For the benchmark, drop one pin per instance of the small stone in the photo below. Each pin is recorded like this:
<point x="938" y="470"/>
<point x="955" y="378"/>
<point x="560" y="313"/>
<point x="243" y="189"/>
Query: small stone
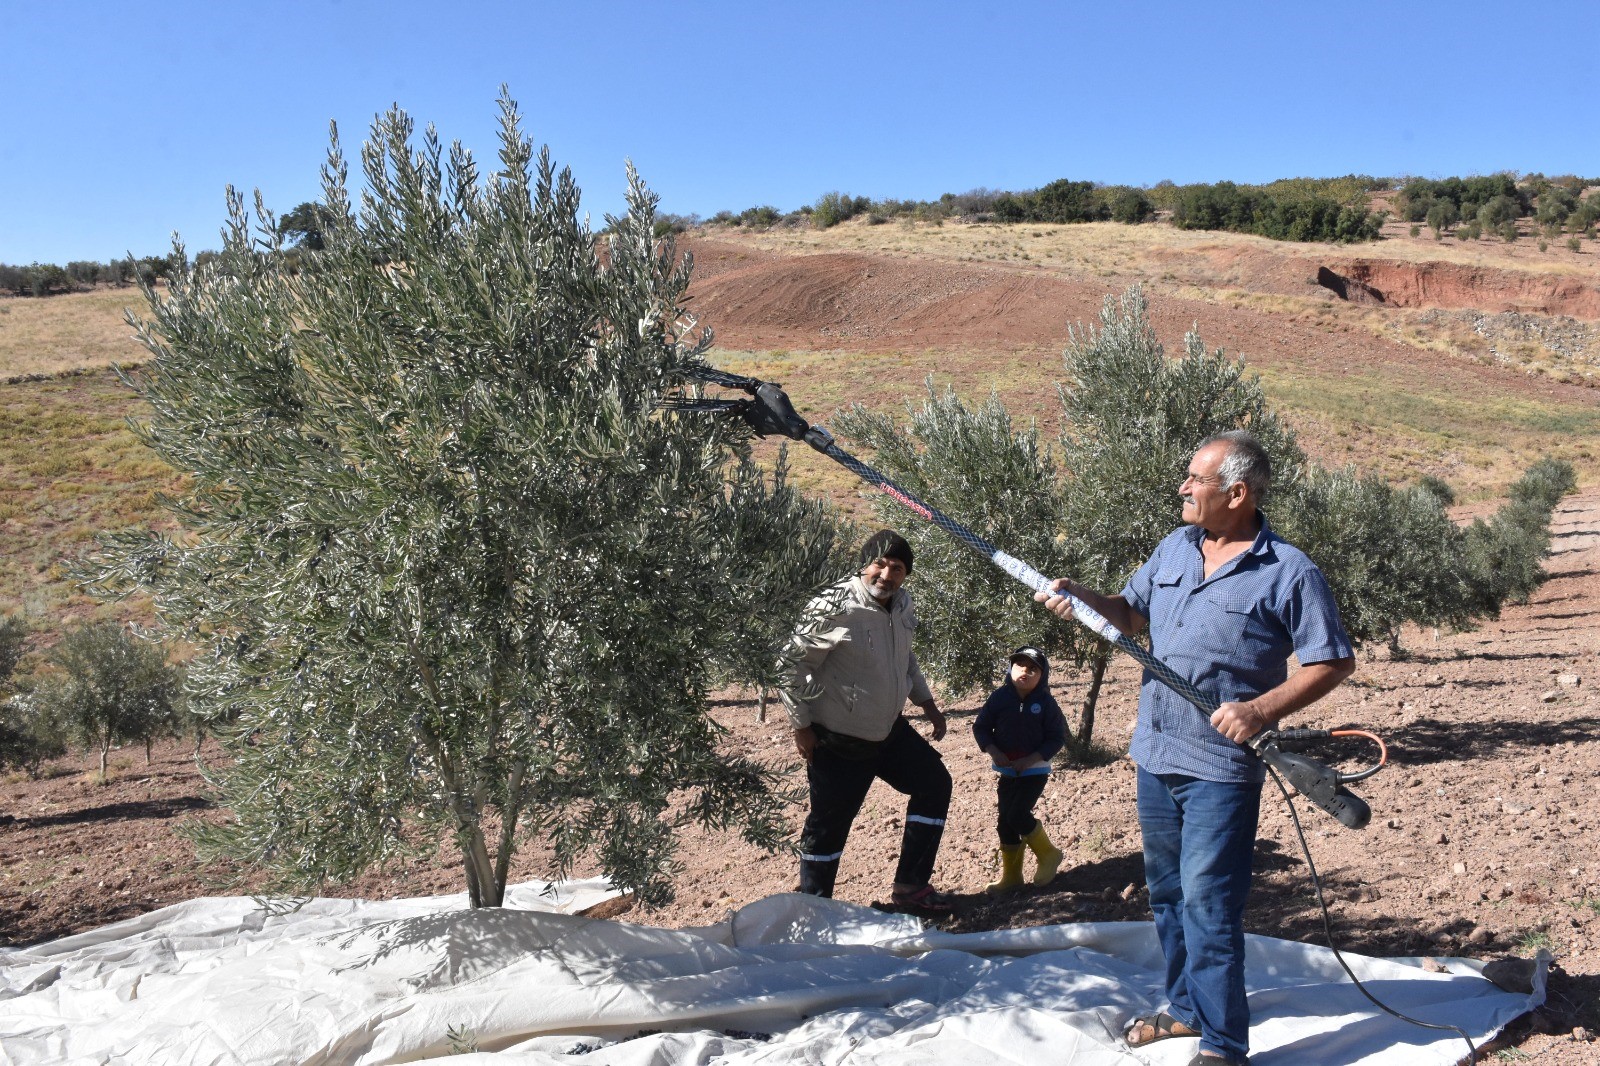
<point x="1549" y="697"/>
<point x="1569" y="680"/>
<point x="1582" y="1035"/>
<point x="1393" y="823"/>
<point x="1434" y="966"/>
<point x="1459" y="868"/>
<point x="1481" y="935"/>
<point x="1441" y="839"/>
<point x="1129" y="892"/>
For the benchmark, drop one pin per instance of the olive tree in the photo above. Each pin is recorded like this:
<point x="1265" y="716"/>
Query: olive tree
<point x="26" y="740"/>
<point x="108" y="687"/>
<point x="452" y="570"/>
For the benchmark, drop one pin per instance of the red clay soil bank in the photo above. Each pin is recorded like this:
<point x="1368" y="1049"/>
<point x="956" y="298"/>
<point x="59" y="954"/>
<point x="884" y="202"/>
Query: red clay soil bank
<point x="1450" y="285"/>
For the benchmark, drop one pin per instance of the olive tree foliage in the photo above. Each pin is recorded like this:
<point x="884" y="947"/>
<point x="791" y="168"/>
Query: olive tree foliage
<point x="1394" y="555"/>
<point x="998" y="479"/>
<point x="1095" y="504"/>
<point x="451" y="569"/>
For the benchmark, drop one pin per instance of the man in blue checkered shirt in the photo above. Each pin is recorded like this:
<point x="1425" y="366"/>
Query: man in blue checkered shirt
<point x="1228" y="602"/>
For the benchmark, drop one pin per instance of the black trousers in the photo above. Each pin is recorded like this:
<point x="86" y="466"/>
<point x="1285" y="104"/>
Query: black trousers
<point x="1016" y="797"/>
<point x="906" y="763"/>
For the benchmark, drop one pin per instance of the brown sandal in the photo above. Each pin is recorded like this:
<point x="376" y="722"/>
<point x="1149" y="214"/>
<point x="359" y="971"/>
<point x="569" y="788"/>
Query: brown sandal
<point x="924" y="900"/>
<point x="1153" y="1027"/>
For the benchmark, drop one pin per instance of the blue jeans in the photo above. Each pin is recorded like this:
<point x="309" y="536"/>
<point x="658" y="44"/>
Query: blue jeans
<point x="1199" y="842"/>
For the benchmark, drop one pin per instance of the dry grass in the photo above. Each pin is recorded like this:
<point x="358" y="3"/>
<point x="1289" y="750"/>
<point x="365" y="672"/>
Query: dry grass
<point x="1095" y="249"/>
<point x="71" y="332"/>
<point x="1111" y="248"/>
<point x="1478" y="441"/>
<point x="1474" y="336"/>
<point x="72" y="468"/>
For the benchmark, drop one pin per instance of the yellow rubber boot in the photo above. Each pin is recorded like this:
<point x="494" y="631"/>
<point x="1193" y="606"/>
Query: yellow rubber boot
<point x="1010" y="870"/>
<point x="1048" y="854"/>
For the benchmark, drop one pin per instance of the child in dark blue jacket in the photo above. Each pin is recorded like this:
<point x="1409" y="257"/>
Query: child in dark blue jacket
<point x="1021" y="728"/>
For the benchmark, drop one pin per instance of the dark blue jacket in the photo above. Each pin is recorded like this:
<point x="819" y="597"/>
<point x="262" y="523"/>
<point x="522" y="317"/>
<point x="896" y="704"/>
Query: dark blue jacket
<point x="1018" y="726"/>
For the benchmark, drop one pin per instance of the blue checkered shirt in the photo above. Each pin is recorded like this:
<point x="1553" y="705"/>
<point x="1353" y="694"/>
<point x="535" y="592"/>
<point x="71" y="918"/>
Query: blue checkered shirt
<point x="1232" y="635"/>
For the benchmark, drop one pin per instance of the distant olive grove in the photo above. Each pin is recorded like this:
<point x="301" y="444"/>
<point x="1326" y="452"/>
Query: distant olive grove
<point x="1470" y="208"/>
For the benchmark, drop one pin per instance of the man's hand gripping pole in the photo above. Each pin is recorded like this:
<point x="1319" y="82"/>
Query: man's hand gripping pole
<point x="769" y="413"/>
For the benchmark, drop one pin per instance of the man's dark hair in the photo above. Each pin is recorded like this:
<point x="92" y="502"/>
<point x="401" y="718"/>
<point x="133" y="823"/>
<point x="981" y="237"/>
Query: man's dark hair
<point x="886" y="544"/>
<point x="1246" y="461"/>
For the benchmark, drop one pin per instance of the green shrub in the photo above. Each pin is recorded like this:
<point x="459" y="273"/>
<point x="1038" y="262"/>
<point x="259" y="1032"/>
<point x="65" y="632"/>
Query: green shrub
<point x="1497" y="212"/>
<point x="1096" y="504"/>
<point x="1574" y="244"/>
<point x="1130" y="205"/>
<point x="108" y="687"/>
<point x="1302" y="215"/>
<point x="1418" y="195"/>
<point x="26" y="738"/>
<point x="833" y="208"/>
<point x="763" y="216"/>
<point x="1441" y="215"/>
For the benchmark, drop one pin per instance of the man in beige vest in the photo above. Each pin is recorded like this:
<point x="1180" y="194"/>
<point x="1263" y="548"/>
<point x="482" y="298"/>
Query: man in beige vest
<point x="853" y="670"/>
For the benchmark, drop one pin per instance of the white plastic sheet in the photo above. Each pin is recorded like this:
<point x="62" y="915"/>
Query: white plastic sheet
<point x="788" y="979"/>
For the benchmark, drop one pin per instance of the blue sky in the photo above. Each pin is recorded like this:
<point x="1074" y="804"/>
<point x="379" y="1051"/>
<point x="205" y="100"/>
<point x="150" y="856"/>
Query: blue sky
<point x="125" y="122"/>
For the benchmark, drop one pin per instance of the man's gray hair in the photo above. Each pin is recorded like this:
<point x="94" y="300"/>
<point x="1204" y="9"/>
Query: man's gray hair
<point x="1246" y="461"/>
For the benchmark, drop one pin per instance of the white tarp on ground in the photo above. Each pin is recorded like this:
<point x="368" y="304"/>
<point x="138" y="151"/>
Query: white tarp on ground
<point x="789" y="979"/>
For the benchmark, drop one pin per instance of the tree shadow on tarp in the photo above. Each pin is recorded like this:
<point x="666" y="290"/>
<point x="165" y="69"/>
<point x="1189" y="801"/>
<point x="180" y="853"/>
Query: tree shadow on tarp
<point x="453" y="946"/>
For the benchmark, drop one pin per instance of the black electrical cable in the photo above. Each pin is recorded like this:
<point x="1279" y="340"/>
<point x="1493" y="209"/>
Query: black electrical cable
<point x="1327" y="930"/>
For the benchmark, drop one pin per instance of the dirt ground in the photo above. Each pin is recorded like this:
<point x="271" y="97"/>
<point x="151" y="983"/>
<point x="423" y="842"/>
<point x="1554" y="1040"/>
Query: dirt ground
<point x="1482" y="842"/>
